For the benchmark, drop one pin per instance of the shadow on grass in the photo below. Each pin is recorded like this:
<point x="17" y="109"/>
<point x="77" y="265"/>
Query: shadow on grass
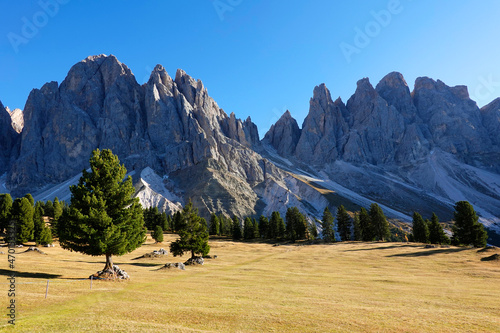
<point x="45" y="276"/>
<point x="426" y="253"/>
<point x="386" y="247"/>
<point x="143" y="264"/>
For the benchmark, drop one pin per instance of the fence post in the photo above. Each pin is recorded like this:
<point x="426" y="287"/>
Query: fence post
<point x="47" y="289"/>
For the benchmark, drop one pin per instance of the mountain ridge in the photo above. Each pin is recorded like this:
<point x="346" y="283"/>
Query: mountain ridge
<point x="387" y="144"/>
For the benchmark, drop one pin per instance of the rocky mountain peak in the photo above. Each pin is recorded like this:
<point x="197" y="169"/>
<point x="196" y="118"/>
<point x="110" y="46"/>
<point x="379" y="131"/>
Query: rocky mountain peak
<point x="394" y="89"/>
<point x="284" y="134"/>
<point x="160" y="76"/>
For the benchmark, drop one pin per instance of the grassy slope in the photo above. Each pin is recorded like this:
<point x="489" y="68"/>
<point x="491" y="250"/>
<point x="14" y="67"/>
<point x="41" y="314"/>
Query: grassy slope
<point x="388" y="287"/>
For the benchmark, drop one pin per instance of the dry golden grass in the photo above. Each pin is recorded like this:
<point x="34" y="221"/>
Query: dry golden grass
<point x="345" y="287"/>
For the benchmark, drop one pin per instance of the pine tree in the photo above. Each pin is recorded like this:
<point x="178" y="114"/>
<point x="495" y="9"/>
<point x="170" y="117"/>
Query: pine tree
<point x="313" y="229"/>
<point x="328" y="232"/>
<point x="193" y="234"/>
<point x="281" y="232"/>
<point x="420" y="229"/>
<point x="256" y="232"/>
<point x="22" y="213"/>
<point x="273" y="225"/>
<point x="344" y="223"/>
<point x="45" y="237"/>
<point x="158" y="234"/>
<point x="58" y="210"/>
<point x="379" y="223"/>
<point x="214" y="224"/>
<point x="367" y="233"/>
<point x="169" y="222"/>
<point x="296" y="225"/>
<point x="103" y="218"/>
<point x="248" y="231"/>
<point x="163" y="221"/>
<point x="358" y="235"/>
<point x="467" y="229"/>
<point x="236" y="228"/>
<point x="38" y="221"/>
<point x="264" y="227"/>
<point x="177" y="221"/>
<point x="49" y="209"/>
<point x="30" y="199"/>
<point x="436" y="232"/>
<point x="5" y="211"/>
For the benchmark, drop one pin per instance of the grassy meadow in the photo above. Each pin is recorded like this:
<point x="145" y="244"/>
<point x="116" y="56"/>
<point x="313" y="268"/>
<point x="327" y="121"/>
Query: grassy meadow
<point x="342" y="287"/>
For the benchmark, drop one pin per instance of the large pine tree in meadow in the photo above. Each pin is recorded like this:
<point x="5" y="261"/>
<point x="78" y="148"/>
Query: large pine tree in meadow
<point x="102" y="218"/>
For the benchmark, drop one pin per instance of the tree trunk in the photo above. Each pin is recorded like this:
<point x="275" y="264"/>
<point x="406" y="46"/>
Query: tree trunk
<point x="109" y="263"/>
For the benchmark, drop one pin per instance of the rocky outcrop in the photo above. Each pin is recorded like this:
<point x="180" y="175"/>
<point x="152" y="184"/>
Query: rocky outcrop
<point x="324" y="131"/>
<point x="17" y="119"/>
<point x="490" y="115"/>
<point x="452" y="118"/>
<point x="284" y="135"/>
<point x="8" y="140"/>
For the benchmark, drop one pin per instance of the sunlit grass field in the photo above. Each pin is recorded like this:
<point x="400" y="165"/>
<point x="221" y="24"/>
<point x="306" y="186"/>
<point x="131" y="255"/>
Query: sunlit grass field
<point x="258" y="287"/>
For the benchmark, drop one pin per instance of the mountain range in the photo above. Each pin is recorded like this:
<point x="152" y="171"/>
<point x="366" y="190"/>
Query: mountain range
<point x="419" y="150"/>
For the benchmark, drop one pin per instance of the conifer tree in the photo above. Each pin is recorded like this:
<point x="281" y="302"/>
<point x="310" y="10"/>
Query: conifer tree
<point x="103" y="218"/>
<point x="420" y="229"/>
<point x="264" y="227"/>
<point x="158" y="234"/>
<point x="214" y="224"/>
<point x="169" y="222"/>
<point x="49" y="209"/>
<point x="273" y="225"/>
<point x="58" y="210"/>
<point x="236" y="228"/>
<point x="467" y="229"/>
<point x="30" y="199"/>
<point x="281" y="231"/>
<point x="436" y="232"/>
<point x="38" y="222"/>
<point x="248" y="231"/>
<point x="313" y="229"/>
<point x="344" y="223"/>
<point x="379" y="223"/>
<point x="5" y="211"/>
<point x="358" y="236"/>
<point x="45" y="236"/>
<point x="296" y="225"/>
<point x="193" y="234"/>
<point x="328" y="231"/>
<point x="256" y="231"/>
<point x="367" y="233"/>
<point x="22" y="214"/>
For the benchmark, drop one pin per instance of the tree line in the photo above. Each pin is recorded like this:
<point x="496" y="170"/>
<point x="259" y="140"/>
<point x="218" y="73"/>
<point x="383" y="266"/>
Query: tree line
<point x="29" y="218"/>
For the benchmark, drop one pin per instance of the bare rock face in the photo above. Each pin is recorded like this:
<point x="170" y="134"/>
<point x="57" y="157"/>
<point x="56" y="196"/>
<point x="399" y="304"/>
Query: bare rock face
<point x="98" y="105"/>
<point x="9" y="139"/>
<point x="324" y="131"/>
<point x="17" y="119"/>
<point x="284" y="135"/>
<point x="376" y="127"/>
<point x="453" y="119"/>
<point x="491" y="121"/>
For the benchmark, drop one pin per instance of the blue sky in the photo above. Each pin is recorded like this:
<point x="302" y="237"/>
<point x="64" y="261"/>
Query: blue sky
<point x="256" y="57"/>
